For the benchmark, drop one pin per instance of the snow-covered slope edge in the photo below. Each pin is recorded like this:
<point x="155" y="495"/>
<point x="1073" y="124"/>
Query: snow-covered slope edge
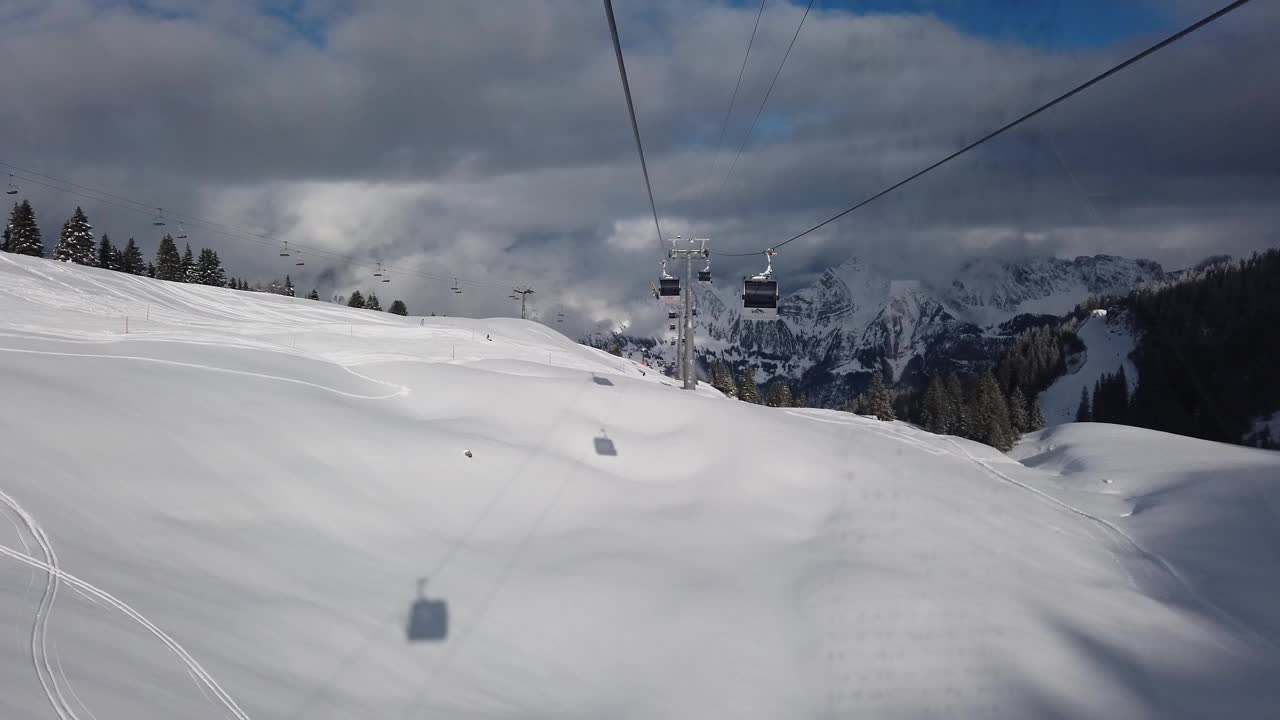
<point x="264" y="481"/>
<point x="1108" y="343"/>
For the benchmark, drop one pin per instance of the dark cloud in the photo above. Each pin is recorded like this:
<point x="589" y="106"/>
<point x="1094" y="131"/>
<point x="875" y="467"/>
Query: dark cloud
<point x="489" y="141"/>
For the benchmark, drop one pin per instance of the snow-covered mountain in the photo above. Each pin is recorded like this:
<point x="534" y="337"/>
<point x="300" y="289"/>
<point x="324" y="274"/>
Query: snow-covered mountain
<point x="855" y="317"/>
<point x="229" y="510"/>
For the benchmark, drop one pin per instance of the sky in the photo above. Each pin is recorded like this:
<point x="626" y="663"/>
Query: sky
<point x="489" y="142"/>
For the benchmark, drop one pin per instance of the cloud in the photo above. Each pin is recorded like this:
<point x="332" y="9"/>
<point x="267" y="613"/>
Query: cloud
<point x="489" y="141"/>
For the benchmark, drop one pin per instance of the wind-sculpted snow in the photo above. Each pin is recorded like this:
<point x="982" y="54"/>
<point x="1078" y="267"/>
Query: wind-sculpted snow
<point x="244" y="493"/>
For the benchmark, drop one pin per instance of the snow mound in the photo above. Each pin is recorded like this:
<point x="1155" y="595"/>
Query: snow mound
<point x="253" y="506"/>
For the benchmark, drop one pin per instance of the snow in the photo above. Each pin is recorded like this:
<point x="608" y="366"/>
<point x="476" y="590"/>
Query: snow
<point x="238" y="498"/>
<point x="1108" y="343"/>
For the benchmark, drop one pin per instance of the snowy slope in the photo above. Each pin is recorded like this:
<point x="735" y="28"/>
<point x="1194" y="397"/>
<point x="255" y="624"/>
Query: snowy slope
<point x="243" y="492"/>
<point x="1108" y="343"/>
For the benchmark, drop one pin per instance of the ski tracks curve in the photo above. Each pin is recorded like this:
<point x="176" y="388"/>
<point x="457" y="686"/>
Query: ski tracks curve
<point x="39" y="634"/>
<point x="49" y="679"/>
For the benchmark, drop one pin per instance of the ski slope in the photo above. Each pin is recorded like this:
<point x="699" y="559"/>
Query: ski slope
<point x="1108" y="344"/>
<point x="225" y="513"/>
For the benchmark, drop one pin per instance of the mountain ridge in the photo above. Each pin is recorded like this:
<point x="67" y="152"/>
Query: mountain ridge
<point x="856" y="318"/>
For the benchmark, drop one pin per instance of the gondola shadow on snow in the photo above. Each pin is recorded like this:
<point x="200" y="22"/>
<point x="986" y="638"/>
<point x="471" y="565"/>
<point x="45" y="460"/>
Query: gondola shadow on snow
<point x="601" y="381"/>
<point x="604" y="445"/>
<point x="428" y="618"/>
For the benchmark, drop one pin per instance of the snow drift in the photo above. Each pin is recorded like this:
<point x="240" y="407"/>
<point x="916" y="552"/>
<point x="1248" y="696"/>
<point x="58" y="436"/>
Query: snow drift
<point x="226" y="512"/>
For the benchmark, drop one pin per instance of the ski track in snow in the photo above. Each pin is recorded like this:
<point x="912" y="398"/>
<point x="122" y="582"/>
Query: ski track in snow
<point x="1223" y="615"/>
<point x="40" y="627"/>
<point x="39" y="633"/>
<point x="401" y="390"/>
<point x="206" y="680"/>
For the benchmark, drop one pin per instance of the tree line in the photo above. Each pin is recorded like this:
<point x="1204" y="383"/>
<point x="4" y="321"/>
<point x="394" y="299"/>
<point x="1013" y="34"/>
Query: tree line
<point x="777" y="392"/>
<point x="1205" y="354"/>
<point x="76" y="245"/>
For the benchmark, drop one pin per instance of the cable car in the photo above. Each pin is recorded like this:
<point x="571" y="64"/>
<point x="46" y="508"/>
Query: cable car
<point x="668" y="287"/>
<point x="760" y="294"/>
<point x="13" y="188"/>
<point x="704" y="275"/>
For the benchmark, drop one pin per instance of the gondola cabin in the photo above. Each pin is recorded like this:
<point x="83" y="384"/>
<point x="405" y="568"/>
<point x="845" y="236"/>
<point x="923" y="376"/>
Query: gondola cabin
<point x="669" y="290"/>
<point x="760" y="298"/>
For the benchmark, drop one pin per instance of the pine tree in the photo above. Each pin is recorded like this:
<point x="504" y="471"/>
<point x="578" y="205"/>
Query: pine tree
<point x="1083" y="411"/>
<point x="991" y="413"/>
<point x="748" y="391"/>
<point x="209" y="269"/>
<point x="718" y="378"/>
<point x="398" y="308"/>
<point x="190" y="271"/>
<point x="288" y="286"/>
<point x="876" y="400"/>
<point x="958" y="415"/>
<point x="108" y="256"/>
<point x="1035" y="416"/>
<point x="151" y="269"/>
<point x="801" y="401"/>
<point x="131" y="260"/>
<point x="24" y="233"/>
<point x="356" y="300"/>
<point x="778" y="394"/>
<point x="935" y="412"/>
<point x="1019" y="421"/>
<point x="372" y="302"/>
<point x="313" y="295"/>
<point x="75" y="244"/>
<point x="168" y="263"/>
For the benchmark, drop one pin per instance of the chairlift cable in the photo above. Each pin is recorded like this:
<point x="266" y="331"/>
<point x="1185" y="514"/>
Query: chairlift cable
<point x="1009" y="126"/>
<point x="763" y="102"/>
<point x="631" y="112"/>
<point x="734" y="97"/>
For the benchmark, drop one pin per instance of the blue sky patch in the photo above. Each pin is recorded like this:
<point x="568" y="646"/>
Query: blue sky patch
<point x="1047" y="24"/>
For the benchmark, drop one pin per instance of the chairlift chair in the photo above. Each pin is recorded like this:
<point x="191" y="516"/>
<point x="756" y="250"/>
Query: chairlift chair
<point x="182" y="233"/>
<point x="760" y="294"/>
<point x="300" y="263"/>
<point x="159" y="221"/>
<point x="13" y="187"/>
<point x="284" y="249"/>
